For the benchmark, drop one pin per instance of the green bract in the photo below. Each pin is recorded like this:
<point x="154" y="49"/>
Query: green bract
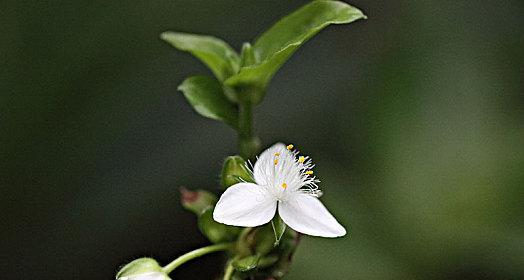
<point x="243" y="79"/>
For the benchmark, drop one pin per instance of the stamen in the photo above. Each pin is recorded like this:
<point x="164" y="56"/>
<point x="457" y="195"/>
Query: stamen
<point x="290" y="146"/>
<point x="277" y="154"/>
<point x="309" y="172"/>
<point x="301" y="159"/>
<point x="284" y="185"/>
<point x="276" y="161"/>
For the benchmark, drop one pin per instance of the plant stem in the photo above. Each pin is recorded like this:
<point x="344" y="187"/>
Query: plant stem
<point x="246" y="141"/>
<point x="195" y="254"/>
<point x="229" y="271"/>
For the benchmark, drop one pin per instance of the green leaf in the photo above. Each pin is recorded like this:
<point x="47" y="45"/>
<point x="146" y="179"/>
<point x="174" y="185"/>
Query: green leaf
<point x="277" y="44"/>
<point x="303" y="24"/>
<point x="247" y="263"/>
<point x="206" y="96"/>
<point x="279" y="227"/>
<point x="216" y="54"/>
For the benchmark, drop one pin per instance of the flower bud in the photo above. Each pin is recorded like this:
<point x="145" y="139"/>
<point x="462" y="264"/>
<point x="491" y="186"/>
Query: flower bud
<point x="267" y="261"/>
<point x="197" y="201"/>
<point x="247" y="55"/>
<point x="246" y="263"/>
<point x="142" y="269"/>
<point x="286" y="248"/>
<point x="265" y="240"/>
<point x="234" y="171"/>
<point x="214" y="231"/>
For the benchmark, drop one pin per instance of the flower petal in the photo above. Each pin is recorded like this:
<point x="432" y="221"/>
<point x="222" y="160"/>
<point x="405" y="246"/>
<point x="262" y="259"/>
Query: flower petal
<point x="245" y="205"/>
<point x="306" y="214"/>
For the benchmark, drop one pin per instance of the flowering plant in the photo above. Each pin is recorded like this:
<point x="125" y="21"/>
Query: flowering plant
<point x="244" y="222"/>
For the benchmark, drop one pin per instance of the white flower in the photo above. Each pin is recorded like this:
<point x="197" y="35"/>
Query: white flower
<point x="285" y="182"/>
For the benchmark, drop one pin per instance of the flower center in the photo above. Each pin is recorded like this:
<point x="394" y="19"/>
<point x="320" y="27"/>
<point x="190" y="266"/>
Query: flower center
<point x="285" y="172"/>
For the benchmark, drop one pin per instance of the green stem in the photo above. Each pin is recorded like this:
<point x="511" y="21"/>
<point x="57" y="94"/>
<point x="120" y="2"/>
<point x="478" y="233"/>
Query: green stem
<point x="195" y="254"/>
<point x="247" y="143"/>
<point x="246" y="118"/>
<point x="229" y="271"/>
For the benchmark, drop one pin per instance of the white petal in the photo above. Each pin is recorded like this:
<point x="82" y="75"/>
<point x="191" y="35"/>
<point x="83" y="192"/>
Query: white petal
<point x="245" y="205"/>
<point x="306" y="214"/>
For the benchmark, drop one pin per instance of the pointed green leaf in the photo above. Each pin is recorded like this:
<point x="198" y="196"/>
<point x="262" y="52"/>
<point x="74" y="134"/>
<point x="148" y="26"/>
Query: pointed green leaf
<point x="206" y="96"/>
<point x="246" y="263"/>
<point x="299" y="26"/>
<point x="279" y="227"/>
<point x="277" y="44"/>
<point x="216" y="54"/>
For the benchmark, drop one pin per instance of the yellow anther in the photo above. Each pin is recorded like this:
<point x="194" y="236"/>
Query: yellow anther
<point x="301" y="159"/>
<point x="309" y="172"/>
<point x="290" y="146"/>
<point x="276" y="161"/>
<point x="277" y="154"/>
<point x="284" y="185"/>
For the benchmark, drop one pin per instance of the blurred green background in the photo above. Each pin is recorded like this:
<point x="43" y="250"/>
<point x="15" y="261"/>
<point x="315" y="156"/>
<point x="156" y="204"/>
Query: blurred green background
<point x="415" y="119"/>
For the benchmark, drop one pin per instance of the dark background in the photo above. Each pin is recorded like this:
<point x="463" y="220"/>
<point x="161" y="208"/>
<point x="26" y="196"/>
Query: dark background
<point x="415" y="119"/>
